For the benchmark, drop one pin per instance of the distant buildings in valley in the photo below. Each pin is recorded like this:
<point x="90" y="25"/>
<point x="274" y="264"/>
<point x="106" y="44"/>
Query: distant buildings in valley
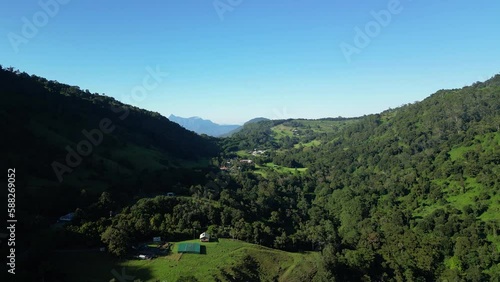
<point x="258" y="152"/>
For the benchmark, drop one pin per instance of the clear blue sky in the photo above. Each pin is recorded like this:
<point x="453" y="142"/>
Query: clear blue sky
<point x="276" y="59"/>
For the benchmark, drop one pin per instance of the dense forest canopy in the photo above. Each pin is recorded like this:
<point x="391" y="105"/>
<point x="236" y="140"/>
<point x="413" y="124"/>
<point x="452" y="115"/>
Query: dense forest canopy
<point x="410" y="194"/>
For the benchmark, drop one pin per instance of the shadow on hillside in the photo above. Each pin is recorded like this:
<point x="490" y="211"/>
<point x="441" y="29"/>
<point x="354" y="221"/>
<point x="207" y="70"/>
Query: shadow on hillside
<point x="130" y="273"/>
<point x="88" y="265"/>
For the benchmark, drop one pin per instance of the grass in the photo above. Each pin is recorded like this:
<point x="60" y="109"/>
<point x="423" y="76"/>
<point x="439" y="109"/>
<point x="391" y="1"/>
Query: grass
<point x="277" y="168"/>
<point x="308" y="144"/>
<point x="458" y="152"/>
<point x="458" y="198"/>
<point x="302" y="131"/>
<point x="227" y="253"/>
<point x="486" y="141"/>
<point x="281" y="131"/>
<point x="152" y="159"/>
<point x="425" y="209"/>
<point x="495" y="241"/>
<point x="453" y="263"/>
<point x="493" y="212"/>
<point x="286" y="129"/>
<point x="243" y="154"/>
<point x="261" y="172"/>
<point x="472" y="189"/>
<point x="201" y="163"/>
<point x="55" y="138"/>
<point x="324" y="126"/>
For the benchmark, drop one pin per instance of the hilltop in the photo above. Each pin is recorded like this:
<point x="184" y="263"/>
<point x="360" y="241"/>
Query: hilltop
<point x="203" y="126"/>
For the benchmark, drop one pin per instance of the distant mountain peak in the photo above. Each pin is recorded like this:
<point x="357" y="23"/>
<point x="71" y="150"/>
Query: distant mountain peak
<point x="203" y="126"/>
<point x="172" y="116"/>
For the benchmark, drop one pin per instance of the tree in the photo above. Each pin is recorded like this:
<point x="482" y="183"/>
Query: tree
<point x="117" y="239"/>
<point x="189" y="278"/>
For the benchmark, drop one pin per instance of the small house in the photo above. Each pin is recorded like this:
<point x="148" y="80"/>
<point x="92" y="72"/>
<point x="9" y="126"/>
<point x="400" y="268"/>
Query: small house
<point x="205" y="237"/>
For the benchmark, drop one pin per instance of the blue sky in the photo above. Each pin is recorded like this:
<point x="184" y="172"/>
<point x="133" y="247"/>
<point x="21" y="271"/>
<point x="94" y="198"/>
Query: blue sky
<point x="251" y="58"/>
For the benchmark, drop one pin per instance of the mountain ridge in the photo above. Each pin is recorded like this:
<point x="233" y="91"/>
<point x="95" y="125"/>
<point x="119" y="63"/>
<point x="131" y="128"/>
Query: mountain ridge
<point x="203" y="126"/>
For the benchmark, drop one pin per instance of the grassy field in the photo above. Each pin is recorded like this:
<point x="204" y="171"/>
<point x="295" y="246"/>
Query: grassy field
<point x="263" y="169"/>
<point x="225" y="254"/>
<point x="487" y="141"/>
<point x="324" y="126"/>
<point x="316" y="126"/>
<point x="281" y="131"/>
<point x="460" y="194"/>
<point x="308" y="144"/>
<point x="243" y="154"/>
<point x="493" y="211"/>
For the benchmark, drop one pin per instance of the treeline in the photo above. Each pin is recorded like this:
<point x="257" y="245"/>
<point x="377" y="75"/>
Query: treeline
<point x="266" y="212"/>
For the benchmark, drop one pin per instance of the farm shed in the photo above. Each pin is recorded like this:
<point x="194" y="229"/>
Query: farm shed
<point x="189" y="248"/>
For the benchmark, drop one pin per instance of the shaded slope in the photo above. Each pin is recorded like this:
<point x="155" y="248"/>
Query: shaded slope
<point x="51" y="125"/>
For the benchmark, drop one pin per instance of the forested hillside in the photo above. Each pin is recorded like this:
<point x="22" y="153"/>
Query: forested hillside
<point x="69" y="147"/>
<point x="410" y="194"/>
<point x="44" y="117"/>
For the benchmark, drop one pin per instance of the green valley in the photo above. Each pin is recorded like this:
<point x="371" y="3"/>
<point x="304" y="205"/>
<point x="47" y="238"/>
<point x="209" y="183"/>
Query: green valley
<point x="408" y="194"/>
